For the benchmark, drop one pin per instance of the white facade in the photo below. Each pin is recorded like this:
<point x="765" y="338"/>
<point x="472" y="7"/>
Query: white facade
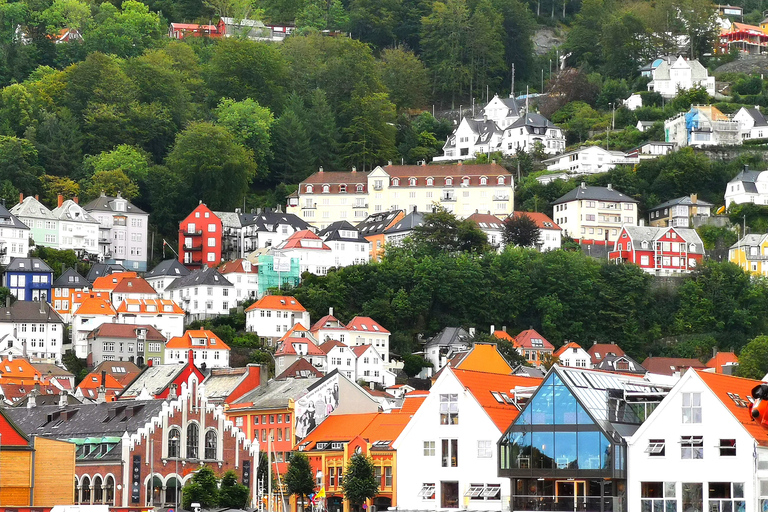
<point x="213" y="358"/>
<point x="244" y="277"/>
<point x="369" y="365"/>
<point x="434" y="453"/>
<point x="274" y="322"/>
<point x="82" y="324"/>
<point x="78" y="230"/>
<point x="747" y="187"/>
<point x="123" y="230"/>
<point x="342" y="358"/>
<point x="366" y="331"/>
<point x="589" y="214"/>
<point x="347" y="252"/>
<point x="312" y="256"/>
<point x="161" y="315"/>
<point x="587" y="160"/>
<point x="14" y="237"/>
<point x="702" y="126"/>
<point x="693" y="445"/>
<point x="634" y="102"/>
<point x="471" y="138"/>
<point x="40" y="340"/>
<point x="752" y="123"/>
<point x="530" y="130"/>
<point x="682" y="75"/>
<point x="574" y="356"/>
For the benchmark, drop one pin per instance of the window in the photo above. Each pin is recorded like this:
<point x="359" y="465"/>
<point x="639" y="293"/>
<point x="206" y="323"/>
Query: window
<point x="658" y="496"/>
<point x="693" y="497"/>
<point x="331" y="477"/>
<point x="211" y="242"/>
<point x="692" y="447"/>
<point x="388" y="476"/>
<point x="727" y="447"/>
<point x="484" y="449"/>
<point x="427" y="491"/>
<point x="656" y="447"/>
<point x="449" y="409"/>
<point x="210" y="444"/>
<point x="193" y="432"/>
<point x="429" y="448"/>
<point x="174" y="436"/>
<point x="308" y="190"/>
<point x="691" y="407"/>
<point x="726" y="497"/>
<point x="211" y="228"/>
<point x="450" y="453"/>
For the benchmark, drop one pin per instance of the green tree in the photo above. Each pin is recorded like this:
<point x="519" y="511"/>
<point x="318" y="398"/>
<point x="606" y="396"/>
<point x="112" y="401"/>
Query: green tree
<point x="125" y="32"/>
<point x="111" y="183"/>
<point x="623" y="43"/>
<point x="322" y="131"/>
<point x="293" y="157"/>
<point x="132" y="161"/>
<point x="18" y="163"/>
<point x="442" y="232"/>
<point x="374" y="21"/>
<point x="72" y="14"/>
<point x="322" y="15"/>
<point x="412" y="364"/>
<point x="60" y="260"/>
<point x="444" y="46"/>
<point x="405" y="77"/>
<point x="360" y="483"/>
<point x="518" y="27"/>
<point x="370" y="133"/>
<point x="202" y="489"/>
<point x="753" y="359"/>
<point x="59" y="142"/>
<point x="233" y="494"/>
<point x="250" y="123"/>
<point x="486" y="48"/>
<point x="17" y="112"/>
<point x="521" y="231"/>
<point x="299" y="479"/>
<point x="52" y="186"/>
<point x="585" y="31"/>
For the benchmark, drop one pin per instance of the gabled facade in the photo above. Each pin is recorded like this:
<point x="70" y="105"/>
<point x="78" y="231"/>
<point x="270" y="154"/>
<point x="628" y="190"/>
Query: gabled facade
<point x="244" y="233"/>
<point x="244" y="276"/>
<point x="274" y="315"/>
<point x="123" y="231"/>
<point x="529" y="131"/>
<point x="747" y="187"/>
<point x="671" y="76"/>
<point x="402" y="229"/>
<point x="471" y="138"/>
<point x="492" y="226"/>
<point x="314" y="255"/>
<point x="679" y="212"/>
<point x="165" y="273"/>
<point x="200" y="238"/>
<point x="14" y="237"/>
<point x="599" y="351"/>
<point x="90" y="314"/>
<point x="64" y="289"/>
<point x="78" y="230"/>
<point x="373" y="228"/>
<point x="137" y="344"/>
<point x="37" y="328"/>
<point x="533" y="347"/>
<point x="204" y="293"/>
<point x="595" y="213"/>
<point x="659" y="251"/>
<point x="348" y="246"/>
<point x="43" y="225"/>
<point x="752" y="122"/>
<point x="298" y="343"/>
<point x="208" y="351"/>
<point x="572" y="355"/>
<point x="29" y="279"/>
<point x="364" y="330"/>
<point x="550" y="234"/>
<point x="124" y="286"/>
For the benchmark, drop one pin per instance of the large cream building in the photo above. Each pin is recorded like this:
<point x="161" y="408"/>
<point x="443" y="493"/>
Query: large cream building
<point x="594" y="213"/>
<point x="327" y="197"/>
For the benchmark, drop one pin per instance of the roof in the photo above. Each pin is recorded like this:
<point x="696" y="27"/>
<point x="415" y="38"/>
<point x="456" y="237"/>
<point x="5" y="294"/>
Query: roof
<point x="221" y="382"/>
<point x="583" y="192"/>
<point x="28" y="265"/>
<point x="529" y="338"/>
<point x="71" y="279"/>
<point x="106" y="203"/>
<point x="359" y="350"/>
<point x="482" y="384"/>
<point x="154" y="378"/>
<point x="332" y="178"/>
<point x="103" y="269"/>
<point x="276" y="394"/>
<point x="93" y="381"/>
<point x="378" y="429"/>
<point x="532" y="120"/>
<point x="721" y="359"/>
<point x="109" y="282"/>
<point x="449" y="336"/>
<point x="628" y="365"/>
<point x="486" y="221"/>
<point x="599" y="350"/>
<point x="640" y="234"/>
<point x="407" y="223"/>
<point x="366" y="324"/>
<point x="239" y="266"/>
<point x="733" y="392"/>
<point x="301" y="368"/>
<point x="30" y="311"/>
<point x="70" y="211"/>
<point x="329" y="345"/>
<point x="123" y="371"/>
<point x="333" y="232"/>
<point x="168" y="268"/>
<point x="304" y="239"/>
<point x="321" y="324"/>
<point x="671" y="365"/>
<point x="756" y="115"/>
<point x="282" y="302"/>
<point x="270" y="220"/>
<point x="96" y="306"/>
<point x="503" y="335"/>
<point x="134" y="285"/>
<point x="31" y="207"/>
<point x="565" y="347"/>
<point x="18" y="370"/>
<point x="128" y="331"/>
<point x="10" y="219"/>
<point x="52" y="370"/>
<point x="150" y="306"/>
<point x="376" y="223"/>
<point x="413" y="400"/>
<point x="684" y="201"/>
<point x="452" y="170"/>
<point x="197" y="340"/>
<point x="542" y="220"/>
<point x="200" y="277"/>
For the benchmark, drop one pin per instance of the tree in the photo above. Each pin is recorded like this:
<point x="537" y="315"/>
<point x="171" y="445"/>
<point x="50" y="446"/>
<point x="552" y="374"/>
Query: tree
<point x="299" y="479"/>
<point x="231" y="493"/>
<point x="132" y="161"/>
<point x="250" y="123"/>
<point x="753" y="360"/>
<point x="322" y="131"/>
<point x="442" y="232"/>
<point x="111" y="183"/>
<point x="52" y="186"/>
<point x="293" y="157"/>
<point x="548" y="360"/>
<point x="202" y="489"/>
<point x="18" y="164"/>
<point x="59" y="142"/>
<point x="125" y="32"/>
<point x="412" y="364"/>
<point x="486" y="49"/>
<point x="370" y="133"/>
<point x="17" y="110"/>
<point x="405" y="77"/>
<point x="444" y="43"/>
<point x="72" y="14"/>
<point x="521" y="231"/>
<point x="360" y="483"/>
<point x="374" y="21"/>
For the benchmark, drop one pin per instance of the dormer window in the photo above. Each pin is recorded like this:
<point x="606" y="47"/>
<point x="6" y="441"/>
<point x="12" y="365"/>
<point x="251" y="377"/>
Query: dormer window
<point x="412" y="182"/>
<point x="359" y="187"/>
<point x="309" y="189"/>
<point x="343" y="189"/>
<point x="483" y="180"/>
<point x="430" y="181"/>
<point x="396" y="182"/>
<point x="465" y="181"/>
<point x="500" y="180"/>
<point x="326" y="189"/>
<point x="448" y="181"/>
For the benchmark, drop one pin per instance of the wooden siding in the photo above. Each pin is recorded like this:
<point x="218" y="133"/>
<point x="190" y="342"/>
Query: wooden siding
<point x="54" y="472"/>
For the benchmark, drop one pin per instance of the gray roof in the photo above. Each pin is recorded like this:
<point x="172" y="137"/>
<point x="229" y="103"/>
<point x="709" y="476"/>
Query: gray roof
<point x="640" y="234"/>
<point x="46" y="399"/>
<point x="758" y="116"/>
<point x="277" y="393"/>
<point x="31" y="207"/>
<point x="685" y="201"/>
<point x="407" y="223"/>
<point x="200" y="277"/>
<point x="72" y="212"/>
<point x="748" y="179"/>
<point x="154" y="378"/>
<point x="229" y="219"/>
<point x="269" y="220"/>
<point x="105" y="203"/>
<point x="10" y="219"/>
<point x="28" y="265"/>
<point x="168" y="268"/>
<point x="71" y="279"/>
<point x="222" y="381"/>
<point x="449" y="336"/>
<point x="608" y="363"/>
<point x="103" y="269"/>
<point x="528" y="371"/>
<point x="376" y="223"/>
<point x="751" y="240"/>
<point x="332" y="232"/>
<point x="532" y="120"/>
<point x="52" y="369"/>
<point x="30" y="311"/>
<point x="698" y="72"/>
<point x="594" y="193"/>
<point x="512" y="104"/>
<point x="483" y="128"/>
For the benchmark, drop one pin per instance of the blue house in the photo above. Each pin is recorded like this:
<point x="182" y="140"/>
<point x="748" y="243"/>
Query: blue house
<point x="29" y="279"/>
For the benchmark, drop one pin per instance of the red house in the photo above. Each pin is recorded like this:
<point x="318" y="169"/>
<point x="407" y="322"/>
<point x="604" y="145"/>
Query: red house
<point x="200" y="238"/>
<point x="660" y="251"/>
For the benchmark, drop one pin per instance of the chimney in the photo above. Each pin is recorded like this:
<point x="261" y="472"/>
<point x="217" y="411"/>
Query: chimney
<point x="472" y="331"/>
<point x="42" y="306"/>
<point x="321" y="169"/>
<point x="104" y="378"/>
<point x="102" y="396"/>
<point x="583" y="185"/>
<point x="493" y="329"/>
<point x="354" y="169"/>
<point x="37" y="197"/>
<point x="60" y="199"/>
<point x="31" y="402"/>
<point x="695" y="198"/>
<point x="330" y="311"/>
<point x="610" y="187"/>
<point x="263" y="374"/>
<point x="191" y="357"/>
<point x="21" y="197"/>
<point x="77" y="200"/>
<point x="389" y="163"/>
<point x="149" y="362"/>
<point x="504" y="328"/>
<point x="172" y="392"/>
<point x="63" y="398"/>
<point x="8" y="302"/>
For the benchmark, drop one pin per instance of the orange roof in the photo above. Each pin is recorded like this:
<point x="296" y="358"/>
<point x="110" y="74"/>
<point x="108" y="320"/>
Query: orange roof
<point x="330" y="345"/>
<point x="229" y="267"/>
<point x="359" y="350"/>
<point x="320" y="324"/>
<point x="723" y="385"/>
<point x="413" y="401"/>
<point x="285" y="344"/>
<point x="722" y="359"/>
<point x="386" y="427"/>
<point x="18" y="371"/>
<point x="503" y="335"/>
<point x="185" y="341"/>
<point x="151" y="306"/>
<point x="481" y="384"/>
<point x="566" y="347"/>
<point x="294" y="241"/>
<point x="109" y="282"/>
<point x="342" y="427"/>
<point x="277" y="302"/>
<point x="485" y="357"/>
<point x="542" y="220"/>
<point x="134" y="285"/>
<point x="367" y="324"/>
<point x="96" y="306"/>
<point x="93" y="381"/>
<point x="525" y="340"/>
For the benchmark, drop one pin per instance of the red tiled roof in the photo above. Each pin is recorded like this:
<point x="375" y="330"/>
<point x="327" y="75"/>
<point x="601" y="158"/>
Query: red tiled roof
<point x="331" y="344"/>
<point x="492" y="221"/>
<point x="566" y="347"/>
<point x="334" y="178"/>
<point x="294" y="241"/>
<point x="212" y="342"/>
<point x="109" y="282"/>
<point x="542" y="220"/>
<point x="285" y="344"/>
<point x="342" y="427"/>
<point x="277" y="302"/>
<point x="134" y="285"/>
<point x="386" y="427"/>
<point x="229" y="267"/>
<point x="93" y="381"/>
<point x="112" y="330"/>
<point x="722" y="359"/>
<point x="670" y="365"/>
<point x="480" y="384"/>
<point x="144" y="305"/>
<point x="96" y="306"/>
<point x="524" y="339"/>
<point x="359" y="350"/>
<point x="300" y="368"/>
<point x="604" y="349"/>
<point x="413" y="401"/>
<point x="721" y="385"/>
<point x="379" y="393"/>
<point x="18" y="370"/>
<point x="366" y="324"/>
<point x="327" y="318"/>
<point x="456" y="171"/>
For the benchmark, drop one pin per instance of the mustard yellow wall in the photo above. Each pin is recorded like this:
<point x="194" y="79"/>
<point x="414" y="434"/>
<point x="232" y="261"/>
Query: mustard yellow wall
<point x="54" y="468"/>
<point x="15" y="477"/>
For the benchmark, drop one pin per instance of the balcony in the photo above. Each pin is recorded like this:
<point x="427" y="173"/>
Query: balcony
<point x="501" y="198"/>
<point x="363" y="205"/>
<point x="186" y="232"/>
<point x="309" y="206"/>
<point x="104" y="241"/>
<point x="446" y="199"/>
<point x="193" y="248"/>
<point x="378" y="187"/>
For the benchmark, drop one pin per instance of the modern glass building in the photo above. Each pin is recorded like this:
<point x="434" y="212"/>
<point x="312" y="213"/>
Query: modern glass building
<point x="566" y="451"/>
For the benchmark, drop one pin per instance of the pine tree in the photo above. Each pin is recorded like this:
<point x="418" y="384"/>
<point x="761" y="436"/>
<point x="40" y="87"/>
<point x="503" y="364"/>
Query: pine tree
<point x="292" y="161"/>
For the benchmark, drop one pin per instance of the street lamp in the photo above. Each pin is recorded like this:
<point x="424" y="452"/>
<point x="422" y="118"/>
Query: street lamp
<point x="176" y="440"/>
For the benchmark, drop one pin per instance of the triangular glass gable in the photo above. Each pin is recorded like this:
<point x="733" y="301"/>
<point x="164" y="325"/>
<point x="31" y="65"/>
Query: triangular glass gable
<point x="553" y="404"/>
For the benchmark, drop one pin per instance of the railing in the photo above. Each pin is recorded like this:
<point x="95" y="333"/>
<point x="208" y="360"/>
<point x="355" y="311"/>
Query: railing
<point x="191" y="233"/>
<point x="448" y="199"/>
<point x="360" y="205"/>
<point x="105" y="241"/>
<point x="378" y="187"/>
<point x="566" y="503"/>
<point x="501" y="198"/>
<point x="309" y="206"/>
<point x="193" y="248"/>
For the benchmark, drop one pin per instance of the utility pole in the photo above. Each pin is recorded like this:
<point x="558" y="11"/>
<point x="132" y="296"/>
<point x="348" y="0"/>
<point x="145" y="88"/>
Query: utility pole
<point x="512" y="89"/>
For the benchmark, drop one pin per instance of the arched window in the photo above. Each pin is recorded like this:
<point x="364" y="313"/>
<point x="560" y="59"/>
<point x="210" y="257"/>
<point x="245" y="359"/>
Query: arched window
<point x="98" y="490"/>
<point x="644" y="244"/>
<point x="210" y="445"/>
<point x="359" y="187"/>
<point x="109" y="490"/>
<point x="396" y="182"/>
<point x="483" y="180"/>
<point x="309" y="189"/>
<point x="342" y="188"/>
<point x="85" y="490"/>
<point x="448" y="181"/>
<point x="174" y="438"/>
<point x="77" y="491"/>
<point x="500" y="180"/>
<point x="193" y="441"/>
<point x="430" y="181"/>
<point x="326" y="189"/>
<point x="412" y="182"/>
<point x="465" y="181"/>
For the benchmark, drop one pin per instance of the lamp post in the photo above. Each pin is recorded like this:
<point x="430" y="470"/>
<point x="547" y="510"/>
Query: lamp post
<point x="176" y="440"/>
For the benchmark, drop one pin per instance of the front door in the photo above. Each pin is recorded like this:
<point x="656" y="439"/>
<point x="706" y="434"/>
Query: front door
<point x="449" y="494"/>
<point x="570" y="495"/>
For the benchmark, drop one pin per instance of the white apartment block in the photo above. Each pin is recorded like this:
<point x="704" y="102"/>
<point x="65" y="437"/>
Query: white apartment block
<point x="584" y="161"/>
<point x="78" y="230"/>
<point x="37" y="327"/>
<point x="123" y="231"/>
<point x="14" y="237"/>
<point x="274" y="315"/>
<point x="595" y="213"/>
<point x="204" y="293"/>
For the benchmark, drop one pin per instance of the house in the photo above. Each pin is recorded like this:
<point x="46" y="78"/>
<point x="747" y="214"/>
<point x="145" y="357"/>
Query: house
<point x="439" y="349"/>
<point x="481" y="357"/>
<point x="502" y="111"/>
<point x="550" y="234"/>
<point x="225" y="385"/>
<point x="329" y="328"/>
<point x="492" y="226"/>
<point x="744" y="38"/>
<point x="643" y="126"/>
<point x="571" y="354"/>
<point x="14" y="237"/>
<point x="402" y="229"/>
<point x="244" y="276"/>
<point x="137" y="344"/>
<point x="243" y="233"/>
<point x="341" y="358"/>
<point x="326" y="197"/>
<point x="671" y="366"/>
<point x="348" y="246"/>
<point x="165" y="273"/>
<point x="92" y="312"/>
<point x="634" y="102"/>
<point x="447" y="454"/>
<point x="373" y="228"/>
<point x="29" y="279"/>
<point x="473" y="137"/>
<point x="183" y="30"/>
<point x="364" y="330"/>
<point x="599" y="351"/>
<point x="98" y="388"/>
<point x="164" y="315"/>
<point x="123" y="372"/>
<point x="78" y="229"/>
<point x="275" y="271"/>
<point x="204" y="293"/>
<point x="659" y="251"/>
<point x="244" y="29"/>
<point x="274" y="315"/>
<point x="124" y="286"/>
<point x="681" y="75"/>
<point x="731" y="10"/>
<point x="369" y="366"/>
<point x="64" y="289"/>
<point x="162" y="381"/>
<point x="200" y="238"/>
<point x="702" y="446"/>
<point x="584" y="161"/>
<point x="568" y="445"/>
<point x="724" y="362"/>
<point x="314" y="255"/>
<point x="752" y="122"/>
<point x="37" y="328"/>
<point x="43" y="225"/>
<point x="299" y="343"/>
<point x="56" y="375"/>
<point x="595" y="213"/>
<point x="533" y="347"/>
<point x="141" y="453"/>
<point x="102" y="269"/>
<point x="123" y="231"/>
<point x="622" y="364"/>
<point x="747" y="187"/>
<point x="300" y="369"/>
<point x="530" y="130"/>
<point x="207" y="349"/>
<point x="651" y="149"/>
<point x="679" y="212"/>
<point x="703" y="125"/>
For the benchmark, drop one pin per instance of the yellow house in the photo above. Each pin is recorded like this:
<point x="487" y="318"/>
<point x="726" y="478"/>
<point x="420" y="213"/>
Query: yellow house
<point x="751" y="254"/>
